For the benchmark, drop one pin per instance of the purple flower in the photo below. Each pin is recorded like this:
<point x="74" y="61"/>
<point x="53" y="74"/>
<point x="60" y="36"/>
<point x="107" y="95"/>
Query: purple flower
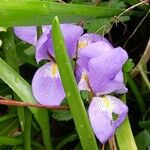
<point x="46" y="84"/>
<point x="28" y="33"/>
<point x="99" y="67"/>
<point x="99" y="70"/>
<point x="106" y="114"/>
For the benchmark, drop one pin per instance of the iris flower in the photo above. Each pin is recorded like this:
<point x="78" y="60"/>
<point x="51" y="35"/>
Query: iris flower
<point x="46" y="84"/>
<point x="98" y="70"/>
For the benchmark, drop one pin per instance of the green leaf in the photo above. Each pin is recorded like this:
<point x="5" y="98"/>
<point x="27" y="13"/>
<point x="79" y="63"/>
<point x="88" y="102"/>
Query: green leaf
<point x="62" y="115"/>
<point x="23" y="90"/>
<point x="137" y="93"/>
<point x="75" y="103"/>
<point x="27" y="131"/>
<point x="66" y="140"/>
<point x="125" y="137"/>
<point x="85" y="96"/>
<point x="117" y="4"/>
<point x="10" y="141"/>
<point x="128" y="66"/>
<point x="101" y="26"/>
<point x="124" y="134"/>
<point x="8" y="126"/>
<point x="27" y="55"/>
<point x="145" y="124"/>
<point x="15" y="13"/>
<point x="11" y="59"/>
<point x="142" y="140"/>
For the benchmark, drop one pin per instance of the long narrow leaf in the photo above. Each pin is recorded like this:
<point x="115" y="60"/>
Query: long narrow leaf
<point x="124" y="134"/>
<point x="23" y="90"/>
<point x="125" y="137"/>
<point x="11" y="59"/>
<point x="27" y="131"/>
<point x="76" y="106"/>
<point x="42" y="12"/>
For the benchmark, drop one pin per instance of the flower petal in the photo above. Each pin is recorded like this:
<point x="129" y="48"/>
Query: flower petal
<point x="119" y="78"/>
<point x="83" y="84"/>
<point x="101" y="111"/>
<point x="47" y="86"/>
<point x="101" y="120"/>
<point x="27" y="34"/>
<point x="90" y="38"/>
<point x="103" y="70"/>
<point x="88" y="52"/>
<point x="94" y="50"/>
<point x="71" y="34"/>
<point x="118" y="108"/>
<point x="43" y="45"/>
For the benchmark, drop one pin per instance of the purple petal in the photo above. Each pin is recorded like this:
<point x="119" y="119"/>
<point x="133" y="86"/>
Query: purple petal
<point x="90" y="38"/>
<point x="27" y="34"/>
<point x="119" y="108"/>
<point x="119" y="78"/>
<point x="94" y="50"/>
<point x="101" y="120"/>
<point x="88" y="52"/>
<point x="82" y="65"/>
<point x="83" y="84"/>
<point x="42" y="45"/>
<point x="101" y="111"/>
<point x="103" y="70"/>
<point x="47" y="86"/>
<point x="71" y="34"/>
<point x="104" y="65"/>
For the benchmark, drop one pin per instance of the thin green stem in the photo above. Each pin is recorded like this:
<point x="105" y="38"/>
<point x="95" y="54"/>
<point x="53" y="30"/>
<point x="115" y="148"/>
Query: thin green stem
<point x="144" y="76"/>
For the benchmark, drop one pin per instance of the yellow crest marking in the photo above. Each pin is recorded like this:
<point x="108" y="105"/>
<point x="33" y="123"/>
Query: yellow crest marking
<point x="54" y="70"/>
<point x="107" y="103"/>
<point x="82" y="44"/>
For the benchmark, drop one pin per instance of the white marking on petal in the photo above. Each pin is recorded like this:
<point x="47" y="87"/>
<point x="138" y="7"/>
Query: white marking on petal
<point x="106" y="105"/>
<point x="52" y="71"/>
<point x="83" y="84"/>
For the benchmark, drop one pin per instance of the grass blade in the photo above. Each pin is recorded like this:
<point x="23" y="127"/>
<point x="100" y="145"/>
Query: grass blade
<point x="27" y="131"/>
<point x="77" y="108"/>
<point x="23" y="90"/>
<point x="124" y="134"/>
<point x="42" y="12"/>
<point x="11" y="59"/>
